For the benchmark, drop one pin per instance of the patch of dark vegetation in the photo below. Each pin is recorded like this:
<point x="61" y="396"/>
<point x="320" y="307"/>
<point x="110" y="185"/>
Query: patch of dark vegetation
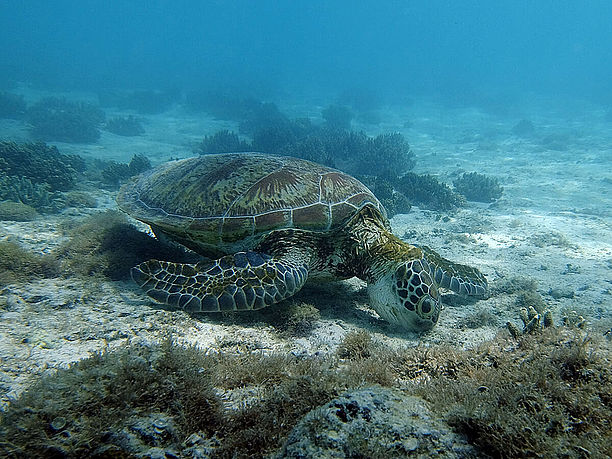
<point x="262" y="115"/>
<point x="34" y="174"/>
<point x="337" y="117"/>
<point x="356" y="345"/>
<point x="425" y="190"/>
<point x="21" y="190"/>
<point x="113" y="173"/>
<point x="125" y="126"/>
<point x="295" y="319"/>
<point x="478" y="187"/>
<point x="548" y="397"/>
<point x="17" y="211"/>
<point x="481" y="317"/>
<point x="394" y="201"/>
<point x="41" y="163"/>
<point x="57" y="119"/>
<point x="384" y="155"/>
<point x="531" y="298"/>
<point x="515" y="284"/>
<point x="106" y="244"/>
<point x="541" y="395"/>
<point x="78" y="199"/>
<point x="12" y="106"/>
<point x="222" y="142"/>
<point x="19" y="265"/>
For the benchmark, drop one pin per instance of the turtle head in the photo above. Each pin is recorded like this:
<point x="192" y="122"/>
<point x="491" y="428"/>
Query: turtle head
<point x="406" y="294"/>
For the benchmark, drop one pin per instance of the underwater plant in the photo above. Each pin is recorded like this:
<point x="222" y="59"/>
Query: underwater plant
<point x="310" y="148"/>
<point x="393" y="201"/>
<point x="337" y="117"/>
<point x="19" y="265"/>
<point x="22" y="190"/>
<point x="262" y="115"/>
<point x="106" y="244"/>
<point x="125" y="126"/>
<point x="222" y="142"/>
<point x="478" y="187"/>
<point x="425" y="190"/>
<point x="114" y="173"/>
<point x="17" y="211"/>
<point x="12" y="106"/>
<point x="58" y="119"/>
<point x="385" y="154"/>
<point x="539" y="395"/>
<point x="40" y="163"/>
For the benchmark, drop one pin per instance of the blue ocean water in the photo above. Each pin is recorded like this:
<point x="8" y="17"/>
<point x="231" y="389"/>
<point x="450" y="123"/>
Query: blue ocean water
<point x="456" y="49"/>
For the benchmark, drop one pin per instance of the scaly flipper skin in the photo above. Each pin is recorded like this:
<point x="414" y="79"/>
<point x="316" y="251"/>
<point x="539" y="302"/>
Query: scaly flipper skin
<point x="459" y="278"/>
<point x="243" y="281"/>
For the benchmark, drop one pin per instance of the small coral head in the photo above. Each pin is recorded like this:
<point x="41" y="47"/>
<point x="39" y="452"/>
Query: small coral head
<point x="407" y="295"/>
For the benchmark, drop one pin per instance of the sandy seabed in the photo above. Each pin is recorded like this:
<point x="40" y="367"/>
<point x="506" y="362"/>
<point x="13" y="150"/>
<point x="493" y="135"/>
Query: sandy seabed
<point x="553" y="224"/>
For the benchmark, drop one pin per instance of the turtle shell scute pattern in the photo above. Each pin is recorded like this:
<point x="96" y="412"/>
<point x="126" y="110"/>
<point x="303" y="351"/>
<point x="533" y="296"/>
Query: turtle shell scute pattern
<point x="227" y="198"/>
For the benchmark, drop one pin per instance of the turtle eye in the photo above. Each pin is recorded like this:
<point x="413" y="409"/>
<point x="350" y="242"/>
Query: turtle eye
<point x="428" y="309"/>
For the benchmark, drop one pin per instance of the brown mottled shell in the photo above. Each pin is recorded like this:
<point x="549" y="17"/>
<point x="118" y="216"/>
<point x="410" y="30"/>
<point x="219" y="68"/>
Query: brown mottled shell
<point x="229" y="201"/>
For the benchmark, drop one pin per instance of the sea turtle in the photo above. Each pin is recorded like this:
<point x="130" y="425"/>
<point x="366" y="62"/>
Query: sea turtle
<point x="273" y="222"/>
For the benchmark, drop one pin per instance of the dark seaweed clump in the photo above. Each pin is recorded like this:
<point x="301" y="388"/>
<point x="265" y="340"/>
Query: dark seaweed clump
<point x="58" y="119"/>
<point x="125" y="125"/>
<point x="353" y="152"/>
<point x="12" y="106"/>
<point x="17" y="264"/>
<point x="386" y="158"/>
<point x="427" y="191"/>
<point x="478" y="187"/>
<point x="17" y="211"/>
<point x="40" y="163"/>
<point x="222" y="142"/>
<point x="542" y="395"/>
<point x="337" y="117"/>
<point x="394" y="202"/>
<point x="114" y="173"/>
<point x="106" y="244"/>
<point x="33" y="173"/>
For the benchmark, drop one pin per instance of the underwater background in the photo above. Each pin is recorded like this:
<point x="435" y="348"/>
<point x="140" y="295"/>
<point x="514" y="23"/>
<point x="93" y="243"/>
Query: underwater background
<point x="484" y="128"/>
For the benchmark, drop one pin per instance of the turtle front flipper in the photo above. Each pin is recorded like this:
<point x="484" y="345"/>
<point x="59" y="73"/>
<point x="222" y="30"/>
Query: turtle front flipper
<point x="459" y="278"/>
<point x="245" y="280"/>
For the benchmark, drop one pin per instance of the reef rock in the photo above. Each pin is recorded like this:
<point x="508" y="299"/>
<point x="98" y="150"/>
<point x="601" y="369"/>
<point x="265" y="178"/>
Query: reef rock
<point x="374" y="422"/>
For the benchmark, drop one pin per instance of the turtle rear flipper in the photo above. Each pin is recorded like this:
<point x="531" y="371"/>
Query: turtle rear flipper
<point x="459" y="278"/>
<point x="245" y="280"/>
